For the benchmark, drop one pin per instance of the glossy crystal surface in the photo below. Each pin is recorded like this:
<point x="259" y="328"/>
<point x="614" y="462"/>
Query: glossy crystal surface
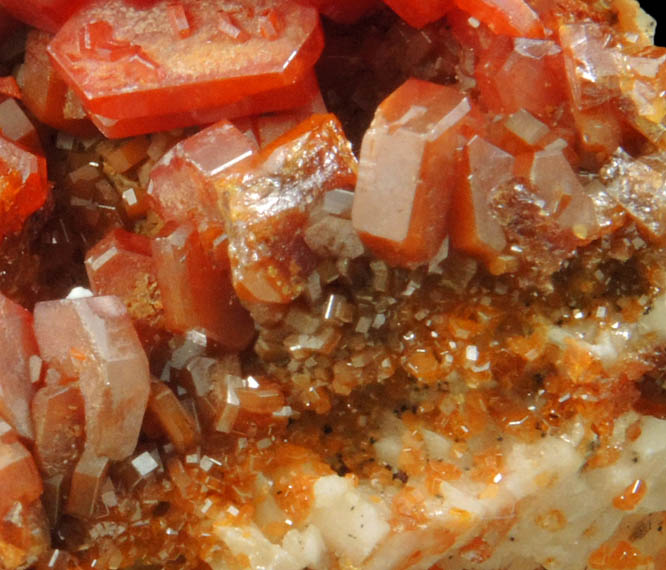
<point x="45" y="93"/>
<point x="93" y="340"/>
<point x="18" y="347"/>
<point x="122" y="71"/>
<point x="23" y="184"/>
<point x="473" y="381"/>
<point x="196" y="290"/>
<point x="265" y="201"/>
<point x="413" y="139"/>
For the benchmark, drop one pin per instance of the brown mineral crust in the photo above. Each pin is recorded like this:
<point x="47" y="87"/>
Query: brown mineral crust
<point x="93" y="339"/>
<point x="265" y="202"/>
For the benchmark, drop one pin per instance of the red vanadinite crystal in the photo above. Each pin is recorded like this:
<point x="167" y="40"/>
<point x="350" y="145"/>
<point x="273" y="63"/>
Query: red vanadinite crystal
<point x="418" y="14"/>
<point x="122" y="71"/>
<point x="181" y="183"/>
<point x="19" y="349"/>
<point x="413" y="139"/>
<point x="290" y="96"/>
<point x="45" y="93"/>
<point x="23" y="185"/>
<point x="266" y="199"/>
<point x="93" y="340"/>
<point x="196" y="291"/>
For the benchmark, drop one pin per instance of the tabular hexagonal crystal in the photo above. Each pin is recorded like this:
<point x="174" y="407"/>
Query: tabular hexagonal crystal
<point x="196" y="293"/>
<point x="407" y="171"/>
<point x="17" y="345"/>
<point x="23" y="185"/>
<point x="93" y="339"/>
<point x="122" y="70"/>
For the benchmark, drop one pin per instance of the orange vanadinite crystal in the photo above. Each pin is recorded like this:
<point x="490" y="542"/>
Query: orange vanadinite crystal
<point x="93" y="339"/>
<point x="418" y="14"/>
<point x="266" y="202"/>
<point x="196" y="292"/>
<point x="290" y="96"/>
<point x="23" y="532"/>
<point x="405" y="181"/>
<point x="472" y="227"/>
<point x="621" y="556"/>
<point x="9" y="87"/>
<point x="57" y="450"/>
<point x="173" y="418"/>
<point x="122" y="71"/>
<point x="507" y="17"/>
<point x="631" y="496"/>
<point x="23" y="185"/>
<point x="121" y="264"/>
<point x="18" y="345"/>
<point x="181" y="183"/>
<point x="45" y="93"/>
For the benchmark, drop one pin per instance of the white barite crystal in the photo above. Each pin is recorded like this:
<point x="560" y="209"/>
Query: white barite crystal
<point x="352" y="525"/>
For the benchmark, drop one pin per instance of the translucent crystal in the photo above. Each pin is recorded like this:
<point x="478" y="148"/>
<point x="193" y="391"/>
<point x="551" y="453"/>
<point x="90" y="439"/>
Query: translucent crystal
<point x="266" y="200"/>
<point x="59" y="428"/>
<point x="124" y="71"/>
<point x="46" y="94"/>
<point x="87" y="481"/>
<point x="410" y="144"/>
<point x="93" y="339"/>
<point x="197" y="293"/>
<point x="18" y="347"/>
<point x="176" y="422"/>
<point x="23" y="185"/>
<point x="180" y="185"/>
<point x="474" y="228"/>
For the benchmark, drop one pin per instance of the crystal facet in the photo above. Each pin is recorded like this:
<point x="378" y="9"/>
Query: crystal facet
<point x="93" y="339"/>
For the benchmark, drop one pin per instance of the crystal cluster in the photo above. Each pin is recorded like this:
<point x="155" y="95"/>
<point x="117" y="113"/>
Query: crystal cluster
<point x="412" y="318"/>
